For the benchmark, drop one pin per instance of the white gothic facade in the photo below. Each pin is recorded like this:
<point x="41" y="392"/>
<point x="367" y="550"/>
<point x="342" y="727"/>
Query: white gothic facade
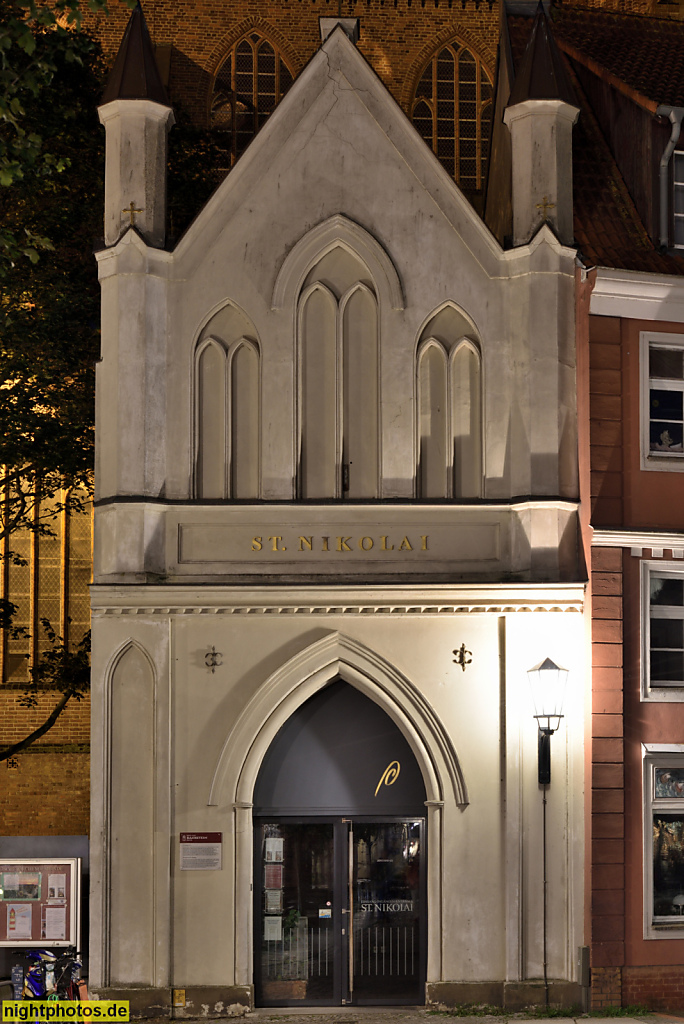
<point x="336" y="444"/>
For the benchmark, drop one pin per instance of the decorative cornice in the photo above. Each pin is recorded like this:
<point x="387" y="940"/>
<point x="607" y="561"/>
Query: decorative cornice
<point x="637" y="295"/>
<point x="343" y="600"/>
<point x="639" y="540"/>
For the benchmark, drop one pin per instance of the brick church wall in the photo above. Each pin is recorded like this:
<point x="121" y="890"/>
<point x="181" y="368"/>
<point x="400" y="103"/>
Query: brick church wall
<point x="45" y="789"/>
<point x="398" y="37"/>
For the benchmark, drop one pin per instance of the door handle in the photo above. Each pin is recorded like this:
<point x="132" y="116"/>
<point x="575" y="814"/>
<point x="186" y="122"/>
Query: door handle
<point x="351" y="911"/>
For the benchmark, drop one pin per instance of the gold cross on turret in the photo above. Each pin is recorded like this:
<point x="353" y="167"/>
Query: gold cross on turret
<point x="544" y="206"/>
<point x="132" y="210"/>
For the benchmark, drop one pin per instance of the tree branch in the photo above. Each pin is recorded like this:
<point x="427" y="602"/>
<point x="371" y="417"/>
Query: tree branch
<point x="41" y="730"/>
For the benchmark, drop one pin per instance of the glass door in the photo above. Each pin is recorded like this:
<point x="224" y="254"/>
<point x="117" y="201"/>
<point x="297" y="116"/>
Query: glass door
<point x="297" y="916"/>
<point x="339" y="912"/>
<point x="386" y="935"/>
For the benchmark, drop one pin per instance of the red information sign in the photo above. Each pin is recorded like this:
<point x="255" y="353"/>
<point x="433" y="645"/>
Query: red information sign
<point x="201" y="837"/>
<point x="200" y="851"/>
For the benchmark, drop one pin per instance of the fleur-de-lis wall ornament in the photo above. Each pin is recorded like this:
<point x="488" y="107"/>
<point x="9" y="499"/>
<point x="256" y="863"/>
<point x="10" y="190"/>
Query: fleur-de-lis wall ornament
<point x="213" y="659"/>
<point x="463" y="656"/>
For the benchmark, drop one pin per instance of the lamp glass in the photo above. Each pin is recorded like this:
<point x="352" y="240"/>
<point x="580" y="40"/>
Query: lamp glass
<point x="547" y="682"/>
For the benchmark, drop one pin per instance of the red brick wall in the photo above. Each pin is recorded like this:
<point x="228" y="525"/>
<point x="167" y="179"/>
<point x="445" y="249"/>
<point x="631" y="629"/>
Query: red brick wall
<point x="47" y="793"/>
<point x="606" y="421"/>
<point x="397" y="36"/>
<point x="46" y="788"/>
<point x="608" y="823"/>
<point x="606" y="987"/>
<point x="659" y="988"/>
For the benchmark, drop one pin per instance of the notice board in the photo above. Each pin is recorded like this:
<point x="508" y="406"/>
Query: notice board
<point x="40" y="901"/>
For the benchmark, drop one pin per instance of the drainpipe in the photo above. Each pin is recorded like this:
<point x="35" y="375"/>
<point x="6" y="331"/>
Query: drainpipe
<point x="675" y="115"/>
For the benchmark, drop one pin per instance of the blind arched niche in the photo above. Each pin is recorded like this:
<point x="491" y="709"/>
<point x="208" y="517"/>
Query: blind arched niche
<point x="227" y="408"/>
<point x="449" y="408"/>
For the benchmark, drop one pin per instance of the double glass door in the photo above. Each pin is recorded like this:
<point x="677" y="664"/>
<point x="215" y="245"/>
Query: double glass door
<point x="339" y="912"/>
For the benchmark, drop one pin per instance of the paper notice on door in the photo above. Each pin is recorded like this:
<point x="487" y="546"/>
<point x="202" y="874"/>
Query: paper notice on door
<point x="273" y="929"/>
<point x="274" y="849"/>
<point x="54" y="923"/>
<point x="18" y="921"/>
<point x="274" y="900"/>
<point x="273" y="876"/>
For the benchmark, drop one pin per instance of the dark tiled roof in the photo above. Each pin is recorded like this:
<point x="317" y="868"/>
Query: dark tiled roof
<point x="135" y="75"/>
<point x="608" y="229"/>
<point x="542" y="74"/>
<point x="646" y="53"/>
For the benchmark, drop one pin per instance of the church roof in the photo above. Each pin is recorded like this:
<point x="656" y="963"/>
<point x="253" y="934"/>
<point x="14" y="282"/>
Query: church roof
<point x="135" y="75"/>
<point x="645" y="54"/>
<point x="608" y="229"/>
<point x="542" y="74"/>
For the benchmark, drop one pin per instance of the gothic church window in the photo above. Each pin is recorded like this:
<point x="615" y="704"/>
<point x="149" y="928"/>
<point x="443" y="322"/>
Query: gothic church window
<point x="47" y="578"/>
<point x="449" y="427"/>
<point x="252" y="80"/>
<point x="227" y="409"/>
<point x="452" y="110"/>
<point x="338" y="380"/>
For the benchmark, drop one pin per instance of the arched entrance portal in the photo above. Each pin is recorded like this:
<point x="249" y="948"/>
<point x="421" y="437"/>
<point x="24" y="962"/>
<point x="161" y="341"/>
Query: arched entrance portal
<point x="339" y="846"/>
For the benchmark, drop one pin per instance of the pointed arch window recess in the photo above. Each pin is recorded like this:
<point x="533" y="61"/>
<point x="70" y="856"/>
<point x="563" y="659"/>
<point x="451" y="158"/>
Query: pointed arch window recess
<point x="452" y="110"/>
<point x="227" y="419"/>
<point x="449" y="411"/>
<point x="250" y="83"/>
<point x="338" y="381"/>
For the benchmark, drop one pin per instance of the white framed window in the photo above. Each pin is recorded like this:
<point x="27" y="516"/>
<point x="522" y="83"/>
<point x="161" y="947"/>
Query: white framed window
<point x="663" y="788"/>
<point x="662" y="618"/>
<point x="678" y="199"/>
<point x="662" y="401"/>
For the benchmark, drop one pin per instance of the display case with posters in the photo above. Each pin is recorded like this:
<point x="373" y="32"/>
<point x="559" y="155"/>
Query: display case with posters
<point x="40" y="902"/>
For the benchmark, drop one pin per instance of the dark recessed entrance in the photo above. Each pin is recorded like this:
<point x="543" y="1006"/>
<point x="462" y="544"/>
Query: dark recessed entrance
<point x="340" y="912"/>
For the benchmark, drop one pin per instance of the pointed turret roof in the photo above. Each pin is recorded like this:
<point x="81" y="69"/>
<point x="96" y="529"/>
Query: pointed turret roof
<point x="135" y="75"/>
<point x="542" y="74"/>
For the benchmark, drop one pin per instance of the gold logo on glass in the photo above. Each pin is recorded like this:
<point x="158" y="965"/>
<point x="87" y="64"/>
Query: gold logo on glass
<point x="389" y="776"/>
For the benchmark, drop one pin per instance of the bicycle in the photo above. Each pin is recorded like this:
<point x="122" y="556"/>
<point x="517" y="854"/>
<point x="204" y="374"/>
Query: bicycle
<point x="52" y="975"/>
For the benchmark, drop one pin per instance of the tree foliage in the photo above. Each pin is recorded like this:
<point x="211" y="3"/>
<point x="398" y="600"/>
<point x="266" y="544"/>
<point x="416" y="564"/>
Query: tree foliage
<point x="51" y="195"/>
<point x="49" y="310"/>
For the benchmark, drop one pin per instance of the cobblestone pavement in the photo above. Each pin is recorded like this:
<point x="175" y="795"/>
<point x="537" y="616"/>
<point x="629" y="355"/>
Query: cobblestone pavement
<point x="420" y="1015"/>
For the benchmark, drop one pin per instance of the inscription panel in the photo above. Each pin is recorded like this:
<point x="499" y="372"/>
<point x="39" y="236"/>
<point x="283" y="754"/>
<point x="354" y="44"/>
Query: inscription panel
<point x="272" y="540"/>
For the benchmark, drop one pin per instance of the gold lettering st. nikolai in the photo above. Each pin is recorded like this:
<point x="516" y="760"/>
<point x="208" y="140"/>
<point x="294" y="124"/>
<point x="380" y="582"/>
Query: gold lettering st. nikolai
<point x="342" y="544"/>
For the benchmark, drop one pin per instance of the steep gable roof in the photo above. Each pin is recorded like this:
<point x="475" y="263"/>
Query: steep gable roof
<point x="339" y="78"/>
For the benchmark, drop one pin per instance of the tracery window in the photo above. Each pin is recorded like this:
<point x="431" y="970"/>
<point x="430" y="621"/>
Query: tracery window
<point x="452" y="110"/>
<point x="249" y="84"/>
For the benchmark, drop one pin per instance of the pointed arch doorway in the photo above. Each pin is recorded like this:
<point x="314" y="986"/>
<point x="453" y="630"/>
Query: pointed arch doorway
<point x="339" y="859"/>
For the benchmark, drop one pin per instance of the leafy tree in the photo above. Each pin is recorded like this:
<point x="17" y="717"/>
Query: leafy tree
<point x="49" y="312"/>
<point x="49" y="306"/>
<point x="51" y="206"/>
